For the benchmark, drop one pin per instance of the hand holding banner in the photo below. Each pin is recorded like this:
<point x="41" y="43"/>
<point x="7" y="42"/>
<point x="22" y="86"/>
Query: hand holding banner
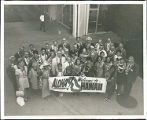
<point x="77" y="84"/>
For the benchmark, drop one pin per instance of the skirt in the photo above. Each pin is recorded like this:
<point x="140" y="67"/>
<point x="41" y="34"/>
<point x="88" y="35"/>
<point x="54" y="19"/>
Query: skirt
<point x="23" y="83"/>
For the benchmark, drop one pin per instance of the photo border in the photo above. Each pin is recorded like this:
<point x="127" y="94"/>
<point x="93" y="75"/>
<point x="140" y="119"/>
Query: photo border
<point x="75" y="116"/>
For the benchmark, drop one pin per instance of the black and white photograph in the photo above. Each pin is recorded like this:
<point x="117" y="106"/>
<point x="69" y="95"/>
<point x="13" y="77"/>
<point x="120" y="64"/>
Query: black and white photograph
<point x="73" y="59"/>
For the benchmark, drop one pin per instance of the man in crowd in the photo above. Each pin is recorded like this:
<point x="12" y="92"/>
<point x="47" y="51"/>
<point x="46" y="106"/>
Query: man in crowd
<point x="42" y="22"/>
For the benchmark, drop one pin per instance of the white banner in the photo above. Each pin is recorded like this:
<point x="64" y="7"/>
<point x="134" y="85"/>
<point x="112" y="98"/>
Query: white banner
<point x="77" y="84"/>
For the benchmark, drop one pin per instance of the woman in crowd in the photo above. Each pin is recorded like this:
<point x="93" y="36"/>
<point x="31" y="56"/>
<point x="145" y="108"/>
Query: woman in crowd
<point x="26" y="58"/>
<point x="112" y="51"/>
<point x="122" y="50"/>
<point x="44" y="78"/>
<point x="34" y="76"/>
<point x="84" y="55"/>
<point x="99" y="66"/>
<point x="108" y="44"/>
<point x="43" y="55"/>
<point x="131" y="74"/>
<point x="93" y="54"/>
<point x="117" y="56"/>
<point x="98" y="44"/>
<point x="102" y="52"/>
<point x="88" y="68"/>
<point x="22" y="77"/>
<point x="78" y="66"/>
<point x="54" y="46"/>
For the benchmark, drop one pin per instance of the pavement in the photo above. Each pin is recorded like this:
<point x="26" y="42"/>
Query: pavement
<point x="20" y="33"/>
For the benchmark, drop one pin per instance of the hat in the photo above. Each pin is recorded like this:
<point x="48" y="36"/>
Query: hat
<point x="89" y="38"/>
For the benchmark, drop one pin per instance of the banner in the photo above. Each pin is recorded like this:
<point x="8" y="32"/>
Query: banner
<point x="77" y="84"/>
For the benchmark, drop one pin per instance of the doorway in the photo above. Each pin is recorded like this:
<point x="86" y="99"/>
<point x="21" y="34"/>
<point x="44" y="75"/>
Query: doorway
<point x="97" y="16"/>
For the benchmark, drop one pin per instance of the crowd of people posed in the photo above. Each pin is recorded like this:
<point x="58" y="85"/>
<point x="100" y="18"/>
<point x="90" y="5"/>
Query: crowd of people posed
<point x="31" y="68"/>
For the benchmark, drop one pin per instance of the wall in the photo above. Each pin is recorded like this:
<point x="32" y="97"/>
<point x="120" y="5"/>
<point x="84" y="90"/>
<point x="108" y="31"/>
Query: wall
<point x="125" y="20"/>
<point x="52" y="11"/>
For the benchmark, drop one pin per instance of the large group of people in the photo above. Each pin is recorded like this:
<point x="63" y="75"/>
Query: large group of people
<point x="31" y="68"/>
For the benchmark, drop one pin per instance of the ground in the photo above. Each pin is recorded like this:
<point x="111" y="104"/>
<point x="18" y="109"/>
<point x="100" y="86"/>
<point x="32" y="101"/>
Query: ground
<point x="18" y="34"/>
